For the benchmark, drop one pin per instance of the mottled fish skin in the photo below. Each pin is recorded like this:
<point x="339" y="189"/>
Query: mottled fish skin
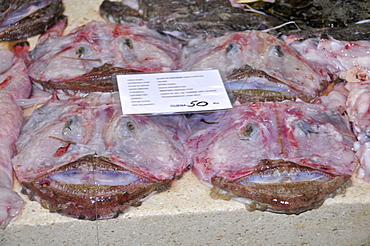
<point x="257" y="58"/>
<point x="37" y="17"/>
<point x="352" y="32"/>
<point x="273" y="155"/>
<point x="316" y="13"/>
<point x="14" y="85"/>
<point x="187" y="19"/>
<point x="86" y="58"/>
<point x="85" y="150"/>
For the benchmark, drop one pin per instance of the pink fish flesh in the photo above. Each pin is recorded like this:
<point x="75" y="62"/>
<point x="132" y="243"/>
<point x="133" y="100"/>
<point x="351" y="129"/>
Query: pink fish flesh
<point x="257" y="60"/>
<point x="86" y="58"/>
<point x="358" y="110"/>
<point x="14" y="84"/>
<point x="349" y="60"/>
<point x="82" y="158"/>
<point x="334" y="55"/>
<point x="274" y="156"/>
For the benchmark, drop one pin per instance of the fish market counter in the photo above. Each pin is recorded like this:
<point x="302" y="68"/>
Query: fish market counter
<point x="187" y="215"/>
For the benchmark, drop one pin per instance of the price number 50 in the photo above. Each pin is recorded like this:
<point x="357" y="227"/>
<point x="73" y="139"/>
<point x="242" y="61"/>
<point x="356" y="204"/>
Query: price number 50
<point x="198" y="103"/>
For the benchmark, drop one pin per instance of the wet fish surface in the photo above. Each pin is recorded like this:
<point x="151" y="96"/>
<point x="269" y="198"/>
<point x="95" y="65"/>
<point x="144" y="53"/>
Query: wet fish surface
<point x="86" y="58"/>
<point x="260" y="61"/>
<point x="273" y="156"/>
<point x="352" y="32"/>
<point x="316" y="13"/>
<point x="358" y="110"/>
<point x="82" y="158"/>
<point x="14" y="85"/>
<point x="25" y="18"/>
<point x="186" y="19"/>
<point x="349" y="61"/>
<point x="335" y="55"/>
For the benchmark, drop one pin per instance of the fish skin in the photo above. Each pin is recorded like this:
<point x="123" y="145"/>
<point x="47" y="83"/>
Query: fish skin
<point x="11" y="203"/>
<point x="32" y="24"/>
<point x="91" y="133"/>
<point x="261" y="53"/>
<point x="316" y="14"/>
<point x="352" y="32"/>
<point x="223" y="159"/>
<point x="187" y="19"/>
<point x="335" y="55"/>
<point x="350" y="62"/>
<point x="358" y="110"/>
<point x="86" y="58"/>
<point x="14" y="85"/>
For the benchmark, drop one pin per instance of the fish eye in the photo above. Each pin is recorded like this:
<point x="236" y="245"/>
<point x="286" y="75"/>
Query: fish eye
<point x="73" y="119"/>
<point x="128" y="43"/>
<point x="231" y="48"/>
<point x="249" y="130"/>
<point x="125" y="127"/>
<point x="82" y="50"/>
<point x="68" y="124"/>
<point x="130" y="126"/>
<point x="277" y="50"/>
<point x="307" y="128"/>
<point x="72" y="128"/>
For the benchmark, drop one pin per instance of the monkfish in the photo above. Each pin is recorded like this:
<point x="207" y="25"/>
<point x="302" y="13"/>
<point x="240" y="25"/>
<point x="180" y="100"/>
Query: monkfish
<point x="283" y="157"/>
<point x="186" y="19"/>
<point x="350" y="62"/>
<point x="260" y="61"/>
<point x="14" y="85"/>
<point x="86" y="58"/>
<point x="81" y="157"/>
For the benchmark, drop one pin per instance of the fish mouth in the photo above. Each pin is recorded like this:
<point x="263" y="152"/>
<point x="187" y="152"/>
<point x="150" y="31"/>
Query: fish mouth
<point x="281" y="186"/>
<point x="268" y="88"/>
<point x="91" y="188"/>
<point x="99" y="79"/>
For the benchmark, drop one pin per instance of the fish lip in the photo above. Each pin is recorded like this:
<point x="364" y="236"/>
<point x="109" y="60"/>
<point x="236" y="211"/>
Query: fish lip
<point x="269" y="166"/>
<point x="287" y="197"/>
<point x="96" y="162"/>
<point x="87" y="201"/>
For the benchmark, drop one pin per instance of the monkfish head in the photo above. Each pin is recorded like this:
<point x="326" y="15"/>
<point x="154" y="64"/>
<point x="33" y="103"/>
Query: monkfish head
<point x="86" y="58"/>
<point x="257" y="60"/>
<point x="82" y="158"/>
<point x="284" y="157"/>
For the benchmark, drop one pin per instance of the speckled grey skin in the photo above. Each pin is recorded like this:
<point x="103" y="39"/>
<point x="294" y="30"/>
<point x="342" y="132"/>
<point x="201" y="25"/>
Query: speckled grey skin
<point x="30" y="25"/>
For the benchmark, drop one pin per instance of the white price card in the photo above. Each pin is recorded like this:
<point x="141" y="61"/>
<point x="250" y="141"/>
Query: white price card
<point x="174" y="92"/>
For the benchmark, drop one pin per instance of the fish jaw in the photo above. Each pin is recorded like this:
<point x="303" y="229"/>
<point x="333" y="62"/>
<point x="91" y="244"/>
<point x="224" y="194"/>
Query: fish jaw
<point x="281" y="186"/>
<point x="88" y="161"/>
<point x="242" y="152"/>
<point x="91" y="188"/>
<point x="257" y="58"/>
